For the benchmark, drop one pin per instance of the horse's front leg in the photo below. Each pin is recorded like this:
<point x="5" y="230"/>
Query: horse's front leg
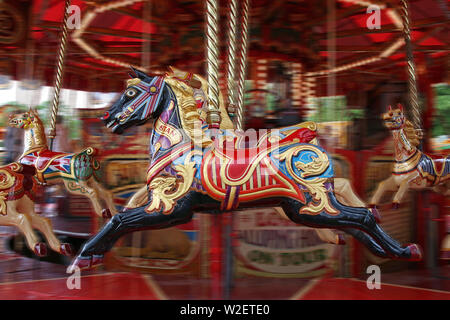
<point x="45" y="226"/>
<point x="398" y="197"/>
<point x="136" y="219"/>
<point x="386" y="185"/>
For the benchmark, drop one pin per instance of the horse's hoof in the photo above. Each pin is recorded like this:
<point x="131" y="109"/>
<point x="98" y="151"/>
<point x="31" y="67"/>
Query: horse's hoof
<point x="415" y="252"/>
<point x="66" y="249"/>
<point x="376" y="214"/>
<point x="40" y="249"/>
<point x="97" y="260"/>
<point x="106" y="214"/>
<point x="82" y="263"/>
<point x="341" y="239"/>
<point x="395" y="205"/>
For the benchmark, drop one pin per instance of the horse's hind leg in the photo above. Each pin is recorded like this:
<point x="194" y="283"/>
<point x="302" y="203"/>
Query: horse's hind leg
<point x="106" y="195"/>
<point x="45" y="226"/>
<point x="368" y="241"/>
<point x="131" y="220"/>
<point x="354" y="218"/>
<point x="81" y="188"/>
<point x="23" y="223"/>
<point x="326" y="235"/>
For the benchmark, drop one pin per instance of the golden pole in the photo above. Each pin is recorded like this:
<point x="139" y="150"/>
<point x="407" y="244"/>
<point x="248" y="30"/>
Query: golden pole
<point x="59" y="74"/>
<point x="411" y="70"/>
<point x="212" y="61"/>
<point x="243" y="67"/>
<point x="231" y="63"/>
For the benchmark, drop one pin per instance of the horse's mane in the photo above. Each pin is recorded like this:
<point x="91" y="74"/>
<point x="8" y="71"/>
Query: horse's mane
<point x="226" y="122"/>
<point x="187" y="109"/>
<point x="411" y="133"/>
<point x="40" y="138"/>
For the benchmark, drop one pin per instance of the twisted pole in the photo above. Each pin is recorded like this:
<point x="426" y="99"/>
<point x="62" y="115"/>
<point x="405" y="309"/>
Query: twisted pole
<point x="59" y="74"/>
<point x="212" y="62"/>
<point x="411" y="69"/>
<point x="242" y="66"/>
<point x="231" y="70"/>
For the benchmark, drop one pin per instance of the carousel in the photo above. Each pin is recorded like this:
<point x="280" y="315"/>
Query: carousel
<point x="209" y="150"/>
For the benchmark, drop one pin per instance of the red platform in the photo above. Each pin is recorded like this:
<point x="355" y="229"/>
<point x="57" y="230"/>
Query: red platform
<point x="354" y="289"/>
<point x="107" y="286"/>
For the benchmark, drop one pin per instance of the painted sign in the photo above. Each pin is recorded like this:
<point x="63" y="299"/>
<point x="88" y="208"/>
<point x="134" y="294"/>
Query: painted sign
<point x="270" y="245"/>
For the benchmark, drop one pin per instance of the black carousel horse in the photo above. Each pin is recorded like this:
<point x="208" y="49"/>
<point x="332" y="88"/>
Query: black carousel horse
<point x="194" y="170"/>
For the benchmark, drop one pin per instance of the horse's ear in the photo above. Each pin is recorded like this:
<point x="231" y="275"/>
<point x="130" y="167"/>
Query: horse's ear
<point x="400" y="106"/>
<point x="132" y="74"/>
<point x="389" y="108"/>
<point x="139" y="74"/>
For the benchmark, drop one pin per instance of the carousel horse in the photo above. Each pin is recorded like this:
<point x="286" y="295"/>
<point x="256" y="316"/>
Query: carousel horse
<point x="343" y="188"/>
<point x="17" y="191"/>
<point x="196" y="169"/>
<point x="76" y="170"/>
<point x="413" y="169"/>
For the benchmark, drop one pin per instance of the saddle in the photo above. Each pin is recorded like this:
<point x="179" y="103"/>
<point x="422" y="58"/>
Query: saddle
<point x="242" y="154"/>
<point x="43" y="159"/>
<point x="239" y="169"/>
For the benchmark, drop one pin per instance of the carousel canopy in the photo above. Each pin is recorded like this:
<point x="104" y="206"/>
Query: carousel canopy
<point x="323" y="35"/>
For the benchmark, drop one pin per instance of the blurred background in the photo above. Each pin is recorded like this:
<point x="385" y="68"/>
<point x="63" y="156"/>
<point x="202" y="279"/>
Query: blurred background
<point x="328" y="61"/>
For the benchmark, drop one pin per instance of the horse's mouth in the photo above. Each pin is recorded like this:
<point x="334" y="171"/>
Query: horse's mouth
<point x="117" y="128"/>
<point x="393" y="122"/>
<point x="111" y="123"/>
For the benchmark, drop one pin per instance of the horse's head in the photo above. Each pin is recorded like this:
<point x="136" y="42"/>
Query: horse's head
<point x="23" y="120"/>
<point x="394" y="119"/>
<point x="144" y="98"/>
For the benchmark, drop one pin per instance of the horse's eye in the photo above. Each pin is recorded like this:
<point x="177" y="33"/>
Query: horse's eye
<point x="130" y="93"/>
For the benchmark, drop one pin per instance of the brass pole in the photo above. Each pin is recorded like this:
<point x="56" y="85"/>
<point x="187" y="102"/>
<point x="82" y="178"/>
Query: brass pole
<point x="212" y="62"/>
<point x="411" y="70"/>
<point x="243" y="66"/>
<point x="59" y="74"/>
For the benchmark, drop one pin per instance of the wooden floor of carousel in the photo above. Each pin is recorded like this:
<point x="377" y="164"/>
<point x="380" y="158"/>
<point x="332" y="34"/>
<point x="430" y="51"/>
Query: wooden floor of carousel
<point x="24" y="277"/>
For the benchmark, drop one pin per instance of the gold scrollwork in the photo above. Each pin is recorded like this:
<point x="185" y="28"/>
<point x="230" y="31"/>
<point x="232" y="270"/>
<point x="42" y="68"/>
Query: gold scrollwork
<point x="166" y="190"/>
<point x="3" y="206"/>
<point x="316" y="186"/>
<point x="7" y="180"/>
